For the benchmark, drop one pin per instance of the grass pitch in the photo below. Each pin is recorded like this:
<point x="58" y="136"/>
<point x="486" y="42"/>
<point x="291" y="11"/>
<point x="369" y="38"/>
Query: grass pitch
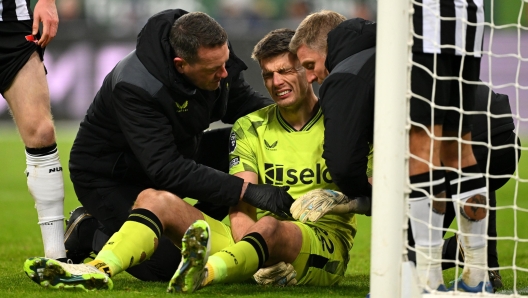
<point x="20" y="238"/>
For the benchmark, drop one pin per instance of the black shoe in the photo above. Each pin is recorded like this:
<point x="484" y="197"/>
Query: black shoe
<point x="78" y="238"/>
<point x="495" y="279"/>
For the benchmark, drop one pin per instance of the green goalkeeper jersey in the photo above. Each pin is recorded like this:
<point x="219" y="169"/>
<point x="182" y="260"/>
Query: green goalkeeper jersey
<point x="264" y="143"/>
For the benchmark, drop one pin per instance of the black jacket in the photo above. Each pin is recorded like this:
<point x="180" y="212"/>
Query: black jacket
<point x="146" y="121"/>
<point x="347" y="102"/>
<point x="499" y="107"/>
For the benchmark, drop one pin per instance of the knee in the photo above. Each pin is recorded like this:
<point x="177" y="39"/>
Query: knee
<point x="268" y="226"/>
<point x="156" y="201"/>
<point x="41" y="134"/>
<point x="161" y="203"/>
<point x="475" y="208"/>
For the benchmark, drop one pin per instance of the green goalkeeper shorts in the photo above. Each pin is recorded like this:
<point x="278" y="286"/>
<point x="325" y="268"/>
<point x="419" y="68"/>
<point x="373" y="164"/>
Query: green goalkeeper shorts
<point x="221" y="236"/>
<point x="323" y="258"/>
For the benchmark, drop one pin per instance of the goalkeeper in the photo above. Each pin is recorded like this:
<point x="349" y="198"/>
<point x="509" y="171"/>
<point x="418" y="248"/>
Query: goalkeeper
<point x="279" y="145"/>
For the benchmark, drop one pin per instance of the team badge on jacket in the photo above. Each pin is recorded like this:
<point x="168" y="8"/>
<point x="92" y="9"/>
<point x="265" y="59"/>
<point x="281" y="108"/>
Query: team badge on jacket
<point x="182" y="107"/>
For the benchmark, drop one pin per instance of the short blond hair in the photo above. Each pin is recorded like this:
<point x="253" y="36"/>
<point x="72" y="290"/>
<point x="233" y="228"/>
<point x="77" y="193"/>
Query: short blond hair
<point x="313" y="30"/>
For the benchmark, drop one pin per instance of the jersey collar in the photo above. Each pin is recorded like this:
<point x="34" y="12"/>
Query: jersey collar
<point x="306" y="126"/>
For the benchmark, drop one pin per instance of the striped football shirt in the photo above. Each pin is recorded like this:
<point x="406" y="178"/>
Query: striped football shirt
<point x="15" y="10"/>
<point x="448" y="27"/>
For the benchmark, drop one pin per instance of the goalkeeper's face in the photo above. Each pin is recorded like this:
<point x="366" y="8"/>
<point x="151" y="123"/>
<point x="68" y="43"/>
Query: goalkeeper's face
<point x="285" y="80"/>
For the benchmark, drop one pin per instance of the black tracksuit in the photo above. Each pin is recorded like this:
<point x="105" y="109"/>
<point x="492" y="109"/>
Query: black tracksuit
<point x="347" y="102"/>
<point x="143" y="130"/>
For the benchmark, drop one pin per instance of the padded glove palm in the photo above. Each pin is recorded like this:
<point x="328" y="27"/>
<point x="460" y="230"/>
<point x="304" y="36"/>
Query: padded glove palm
<point x="280" y="274"/>
<point x="316" y="203"/>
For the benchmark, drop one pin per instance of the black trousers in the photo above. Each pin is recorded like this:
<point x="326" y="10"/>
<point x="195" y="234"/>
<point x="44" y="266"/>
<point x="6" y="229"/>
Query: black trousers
<point x="501" y="162"/>
<point x="111" y="206"/>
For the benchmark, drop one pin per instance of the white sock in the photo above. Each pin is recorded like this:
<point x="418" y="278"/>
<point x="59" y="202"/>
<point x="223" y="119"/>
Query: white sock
<point x="473" y="238"/>
<point x="428" y="242"/>
<point x="475" y="249"/>
<point x="429" y="266"/>
<point x="475" y="262"/>
<point x="53" y="239"/>
<point x="426" y="224"/>
<point x="46" y="185"/>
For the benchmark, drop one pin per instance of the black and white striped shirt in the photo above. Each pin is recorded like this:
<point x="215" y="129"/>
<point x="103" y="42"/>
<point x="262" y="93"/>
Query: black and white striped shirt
<point x="448" y="27"/>
<point x="15" y="10"/>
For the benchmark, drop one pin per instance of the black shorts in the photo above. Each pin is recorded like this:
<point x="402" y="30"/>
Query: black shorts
<point x="447" y="91"/>
<point x="502" y="161"/>
<point x="15" y="50"/>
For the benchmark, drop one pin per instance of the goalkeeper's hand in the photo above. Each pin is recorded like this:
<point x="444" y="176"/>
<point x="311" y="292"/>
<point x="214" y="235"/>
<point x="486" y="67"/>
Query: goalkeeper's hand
<point x="316" y="203"/>
<point x="281" y="274"/>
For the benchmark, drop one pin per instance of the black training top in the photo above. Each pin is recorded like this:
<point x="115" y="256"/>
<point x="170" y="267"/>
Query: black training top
<point x="347" y="101"/>
<point x="146" y="121"/>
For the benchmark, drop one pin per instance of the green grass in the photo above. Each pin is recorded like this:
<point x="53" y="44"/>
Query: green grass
<point x="20" y="238"/>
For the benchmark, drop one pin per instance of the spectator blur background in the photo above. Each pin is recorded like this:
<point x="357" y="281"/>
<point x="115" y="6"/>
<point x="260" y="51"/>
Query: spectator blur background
<point x="95" y="34"/>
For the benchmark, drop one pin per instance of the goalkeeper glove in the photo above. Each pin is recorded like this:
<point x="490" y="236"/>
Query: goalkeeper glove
<point x="316" y="203"/>
<point x="280" y="274"/>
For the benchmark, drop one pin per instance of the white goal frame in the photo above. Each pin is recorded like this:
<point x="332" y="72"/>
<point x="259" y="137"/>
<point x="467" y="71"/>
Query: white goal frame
<point x="390" y="169"/>
<point x="391" y="275"/>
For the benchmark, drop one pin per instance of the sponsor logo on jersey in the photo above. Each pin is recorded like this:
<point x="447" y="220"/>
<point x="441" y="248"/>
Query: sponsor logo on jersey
<point x="182" y="107"/>
<point x="272" y="146"/>
<point x="232" y="142"/>
<point x="277" y="175"/>
<point x="234" y="162"/>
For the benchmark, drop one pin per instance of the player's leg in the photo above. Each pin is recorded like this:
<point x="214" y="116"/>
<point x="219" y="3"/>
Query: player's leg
<point x="202" y="238"/>
<point x="324" y="256"/>
<point x="28" y="100"/>
<point x="468" y="187"/>
<point x="154" y="213"/>
<point x="263" y="245"/>
<point x="427" y="198"/>
<point x="319" y="255"/>
<point x="470" y="200"/>
<point x="111" y="207"/>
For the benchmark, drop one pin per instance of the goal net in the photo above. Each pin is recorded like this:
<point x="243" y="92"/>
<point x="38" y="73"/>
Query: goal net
<point x="500" y="118"/>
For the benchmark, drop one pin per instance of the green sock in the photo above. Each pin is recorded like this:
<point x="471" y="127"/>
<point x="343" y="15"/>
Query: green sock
<point x="135" y="242"/>
<point x="240" y="261"/>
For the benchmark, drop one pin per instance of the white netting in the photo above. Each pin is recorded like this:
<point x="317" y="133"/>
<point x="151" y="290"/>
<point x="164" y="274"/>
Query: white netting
<point x="504" y="70"/>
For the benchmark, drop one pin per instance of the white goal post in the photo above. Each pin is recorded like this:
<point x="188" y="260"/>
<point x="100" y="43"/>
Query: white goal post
<point x="390" y="144"/>
<point x="391" y="275"/>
